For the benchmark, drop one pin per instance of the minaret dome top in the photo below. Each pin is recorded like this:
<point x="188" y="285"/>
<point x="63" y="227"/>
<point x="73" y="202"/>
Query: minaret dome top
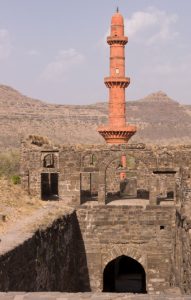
<point x="117" y="19"/>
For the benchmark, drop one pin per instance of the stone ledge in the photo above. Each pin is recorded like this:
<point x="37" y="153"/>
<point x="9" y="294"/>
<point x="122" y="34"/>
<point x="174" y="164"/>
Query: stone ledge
<point x="88" y="296"/>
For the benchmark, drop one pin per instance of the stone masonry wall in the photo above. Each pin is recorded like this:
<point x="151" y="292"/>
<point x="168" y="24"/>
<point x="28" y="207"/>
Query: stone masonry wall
<point x="144" y="234"/>
<point x="76" y="165"/>
<point x="51" y="260"/>
<point x="182" y="265"/>
<point x="158" y="237"/>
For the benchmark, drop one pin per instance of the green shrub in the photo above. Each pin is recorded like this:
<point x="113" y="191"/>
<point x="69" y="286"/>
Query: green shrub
<point x="16" y="179"/>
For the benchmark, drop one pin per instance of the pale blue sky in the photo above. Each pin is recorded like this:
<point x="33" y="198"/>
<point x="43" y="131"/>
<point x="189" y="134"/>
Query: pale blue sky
<point x="55" y="50"/>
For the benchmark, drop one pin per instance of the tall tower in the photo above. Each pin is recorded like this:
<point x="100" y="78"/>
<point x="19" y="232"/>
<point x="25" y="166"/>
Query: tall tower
<point x="117" y="131"/>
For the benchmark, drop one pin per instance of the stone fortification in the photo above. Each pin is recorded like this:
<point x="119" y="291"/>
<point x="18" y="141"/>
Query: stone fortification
<point x="146" y="235"/>
<point x="144" y="217"/>
<point x="50" y="260"/>
<point x="130" y="231"/>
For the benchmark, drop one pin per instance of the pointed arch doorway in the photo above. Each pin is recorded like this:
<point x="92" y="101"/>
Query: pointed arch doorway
<point x="124" y="275"/>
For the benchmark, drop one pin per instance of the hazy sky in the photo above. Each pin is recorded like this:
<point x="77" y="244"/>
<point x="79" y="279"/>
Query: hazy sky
<point x="55" y="50"/>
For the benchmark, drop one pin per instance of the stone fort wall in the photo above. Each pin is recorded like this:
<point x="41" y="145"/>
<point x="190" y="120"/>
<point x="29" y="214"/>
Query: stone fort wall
<point x="73" y="252"/>
<point x="51" y="260"/>
<point x="156" y="233"/>
<point x="152" y="173"/>
<point x="146" y="235"/>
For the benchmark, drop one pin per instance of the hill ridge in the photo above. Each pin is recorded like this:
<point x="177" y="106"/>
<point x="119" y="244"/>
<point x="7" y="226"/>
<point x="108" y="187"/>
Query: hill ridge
<point x="158" y="121"/>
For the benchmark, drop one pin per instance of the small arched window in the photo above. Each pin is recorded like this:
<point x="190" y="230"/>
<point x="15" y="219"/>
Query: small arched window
<point x="48" y="161"/>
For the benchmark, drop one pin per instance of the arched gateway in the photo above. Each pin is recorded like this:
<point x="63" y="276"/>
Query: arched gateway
<point x="124" y="275"/>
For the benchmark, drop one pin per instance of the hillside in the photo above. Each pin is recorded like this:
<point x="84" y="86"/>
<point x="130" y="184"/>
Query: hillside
<point x="159" y="120"/>
<point x="14" y="203"/>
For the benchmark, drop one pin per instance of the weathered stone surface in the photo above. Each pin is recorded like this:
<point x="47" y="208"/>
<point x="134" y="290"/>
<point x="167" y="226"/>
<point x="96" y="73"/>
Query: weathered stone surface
<point x="49" y="261"/>
<point x="88" y="296"/>
<point x="156" y="233"/>
<point x="112" y="231"/>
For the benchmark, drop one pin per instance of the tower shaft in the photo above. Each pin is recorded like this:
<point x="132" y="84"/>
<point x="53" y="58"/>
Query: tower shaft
<point x="117" y="82"/>
<point x="117" y="132"/>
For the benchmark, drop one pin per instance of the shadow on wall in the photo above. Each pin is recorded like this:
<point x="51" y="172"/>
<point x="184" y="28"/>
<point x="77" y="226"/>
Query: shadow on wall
<point x="54" y="259"/>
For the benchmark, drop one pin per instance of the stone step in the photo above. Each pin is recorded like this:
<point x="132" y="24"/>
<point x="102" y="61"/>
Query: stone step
<point x="86" y="296"/>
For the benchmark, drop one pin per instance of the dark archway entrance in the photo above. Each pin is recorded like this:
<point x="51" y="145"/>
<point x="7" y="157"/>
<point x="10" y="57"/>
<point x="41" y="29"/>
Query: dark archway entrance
<point x="124" y="275"/>
<point x="49" y="186"/>
<point x="88" y="187"/>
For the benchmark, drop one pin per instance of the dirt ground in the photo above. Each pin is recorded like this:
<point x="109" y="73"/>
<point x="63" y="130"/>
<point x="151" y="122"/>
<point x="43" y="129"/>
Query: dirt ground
<point x="18" y="209"/>
<point x="15" y="203"/>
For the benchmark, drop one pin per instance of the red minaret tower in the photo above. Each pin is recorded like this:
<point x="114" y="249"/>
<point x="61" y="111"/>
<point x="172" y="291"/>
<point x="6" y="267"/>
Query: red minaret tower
<point x="117" y="131"/>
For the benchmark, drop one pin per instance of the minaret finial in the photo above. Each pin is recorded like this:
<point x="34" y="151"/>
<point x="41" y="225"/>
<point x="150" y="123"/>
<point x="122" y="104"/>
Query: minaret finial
<point x="117" y="10"/>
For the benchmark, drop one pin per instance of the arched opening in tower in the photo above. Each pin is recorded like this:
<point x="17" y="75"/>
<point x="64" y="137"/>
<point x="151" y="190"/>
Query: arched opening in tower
<point x="124" y="275"/>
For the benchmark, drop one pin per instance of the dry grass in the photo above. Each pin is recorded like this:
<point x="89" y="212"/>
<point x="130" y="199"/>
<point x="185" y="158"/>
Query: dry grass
<point x="17" y="207"/>
<point x="38" y="140"/>
<point x="15" y="202"/>
<point x="9" y="163"/>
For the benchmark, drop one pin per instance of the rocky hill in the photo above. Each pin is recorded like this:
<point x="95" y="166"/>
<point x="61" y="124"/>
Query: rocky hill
<point x="159" y="120"/>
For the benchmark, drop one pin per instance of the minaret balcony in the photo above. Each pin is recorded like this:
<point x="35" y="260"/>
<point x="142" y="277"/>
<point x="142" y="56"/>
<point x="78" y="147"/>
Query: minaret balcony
<point x="117" y="135"/>
<point x="122" y="82"/>
<point x="121" y="40"/>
